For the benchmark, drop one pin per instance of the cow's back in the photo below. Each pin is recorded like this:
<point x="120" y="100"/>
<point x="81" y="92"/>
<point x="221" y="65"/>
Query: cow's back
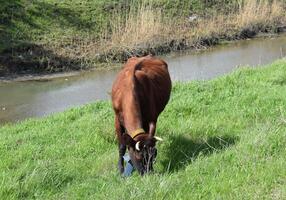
<point x="154" y="85"/>
<point x="147" y="80"/>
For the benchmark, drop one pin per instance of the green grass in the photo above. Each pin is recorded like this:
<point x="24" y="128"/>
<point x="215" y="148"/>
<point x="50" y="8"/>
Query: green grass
<point x="223" y="139"/>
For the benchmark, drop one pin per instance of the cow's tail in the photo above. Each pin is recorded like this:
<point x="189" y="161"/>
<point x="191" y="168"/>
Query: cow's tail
<point x="138" y="66"/>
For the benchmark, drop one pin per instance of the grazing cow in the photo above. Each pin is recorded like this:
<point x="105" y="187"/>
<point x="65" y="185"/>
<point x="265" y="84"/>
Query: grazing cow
<point x="139" y="94"/>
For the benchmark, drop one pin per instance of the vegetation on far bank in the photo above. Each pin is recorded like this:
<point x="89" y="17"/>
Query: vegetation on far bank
<point x="51" y="36"/>
<point x="223" y="139"/>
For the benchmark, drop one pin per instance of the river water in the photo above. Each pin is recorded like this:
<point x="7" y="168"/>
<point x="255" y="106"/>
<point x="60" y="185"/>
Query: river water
<point x="22" y="100"/>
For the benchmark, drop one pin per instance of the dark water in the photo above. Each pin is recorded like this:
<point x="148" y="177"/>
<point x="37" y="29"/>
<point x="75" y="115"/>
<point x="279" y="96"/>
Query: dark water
<point x="21" y="100"/>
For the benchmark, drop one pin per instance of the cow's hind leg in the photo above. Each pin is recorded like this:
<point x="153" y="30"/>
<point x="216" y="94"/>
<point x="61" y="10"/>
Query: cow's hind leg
<point x="121" y="147"/>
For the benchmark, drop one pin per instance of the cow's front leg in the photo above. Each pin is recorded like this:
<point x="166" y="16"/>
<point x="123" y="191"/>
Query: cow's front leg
<point x="121" y="147"/>
<point x="122" y="150"/>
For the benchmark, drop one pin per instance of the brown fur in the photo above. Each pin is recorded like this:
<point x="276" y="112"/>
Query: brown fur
<point x="139" y="94"/>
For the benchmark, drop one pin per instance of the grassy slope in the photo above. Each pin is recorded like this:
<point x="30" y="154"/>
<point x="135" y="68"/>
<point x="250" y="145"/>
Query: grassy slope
<point x="224" y="139"/>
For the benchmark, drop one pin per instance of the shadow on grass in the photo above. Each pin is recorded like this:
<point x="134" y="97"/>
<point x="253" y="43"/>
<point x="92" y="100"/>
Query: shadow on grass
<point x="183" y="150"/>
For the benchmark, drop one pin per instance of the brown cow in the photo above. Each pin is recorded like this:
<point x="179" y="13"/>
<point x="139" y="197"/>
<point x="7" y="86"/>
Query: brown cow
<point x="139" y="94"/>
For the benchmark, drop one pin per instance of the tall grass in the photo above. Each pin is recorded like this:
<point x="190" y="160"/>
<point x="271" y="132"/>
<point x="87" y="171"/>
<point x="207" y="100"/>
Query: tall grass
<point x="147" y="27"/>
<point x="252" y="15"/>
<point x="140" y="27"/>
<point x="260" y="13"/>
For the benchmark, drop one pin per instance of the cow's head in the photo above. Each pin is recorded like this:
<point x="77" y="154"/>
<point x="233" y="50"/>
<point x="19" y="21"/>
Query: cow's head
<point x="142" y="151"/>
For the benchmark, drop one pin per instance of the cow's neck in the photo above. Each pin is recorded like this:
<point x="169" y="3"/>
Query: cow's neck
<point x="132" y="111"/>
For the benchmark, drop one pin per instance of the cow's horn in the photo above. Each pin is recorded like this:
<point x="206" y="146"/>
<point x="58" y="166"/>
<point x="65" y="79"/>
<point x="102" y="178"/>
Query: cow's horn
<point x="137" y="146"/>
<point x="158" y="138"/>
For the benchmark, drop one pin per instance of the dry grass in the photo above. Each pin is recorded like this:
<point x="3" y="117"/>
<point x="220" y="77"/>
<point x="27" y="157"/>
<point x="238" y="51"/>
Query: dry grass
<point x="145" y="28"/>
<point x="252" y="15"/>
<point x="138" y="27"/>
<point x="261" y="13"/>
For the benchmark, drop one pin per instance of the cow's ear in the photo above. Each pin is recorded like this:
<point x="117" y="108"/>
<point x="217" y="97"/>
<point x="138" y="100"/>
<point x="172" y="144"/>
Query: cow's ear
<point x="127" y="140"/>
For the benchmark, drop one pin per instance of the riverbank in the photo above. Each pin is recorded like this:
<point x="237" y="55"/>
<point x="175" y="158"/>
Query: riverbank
<point x="230" y="130"/>
<point x="75" y="43"/>
<point x="108" y="67"/>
